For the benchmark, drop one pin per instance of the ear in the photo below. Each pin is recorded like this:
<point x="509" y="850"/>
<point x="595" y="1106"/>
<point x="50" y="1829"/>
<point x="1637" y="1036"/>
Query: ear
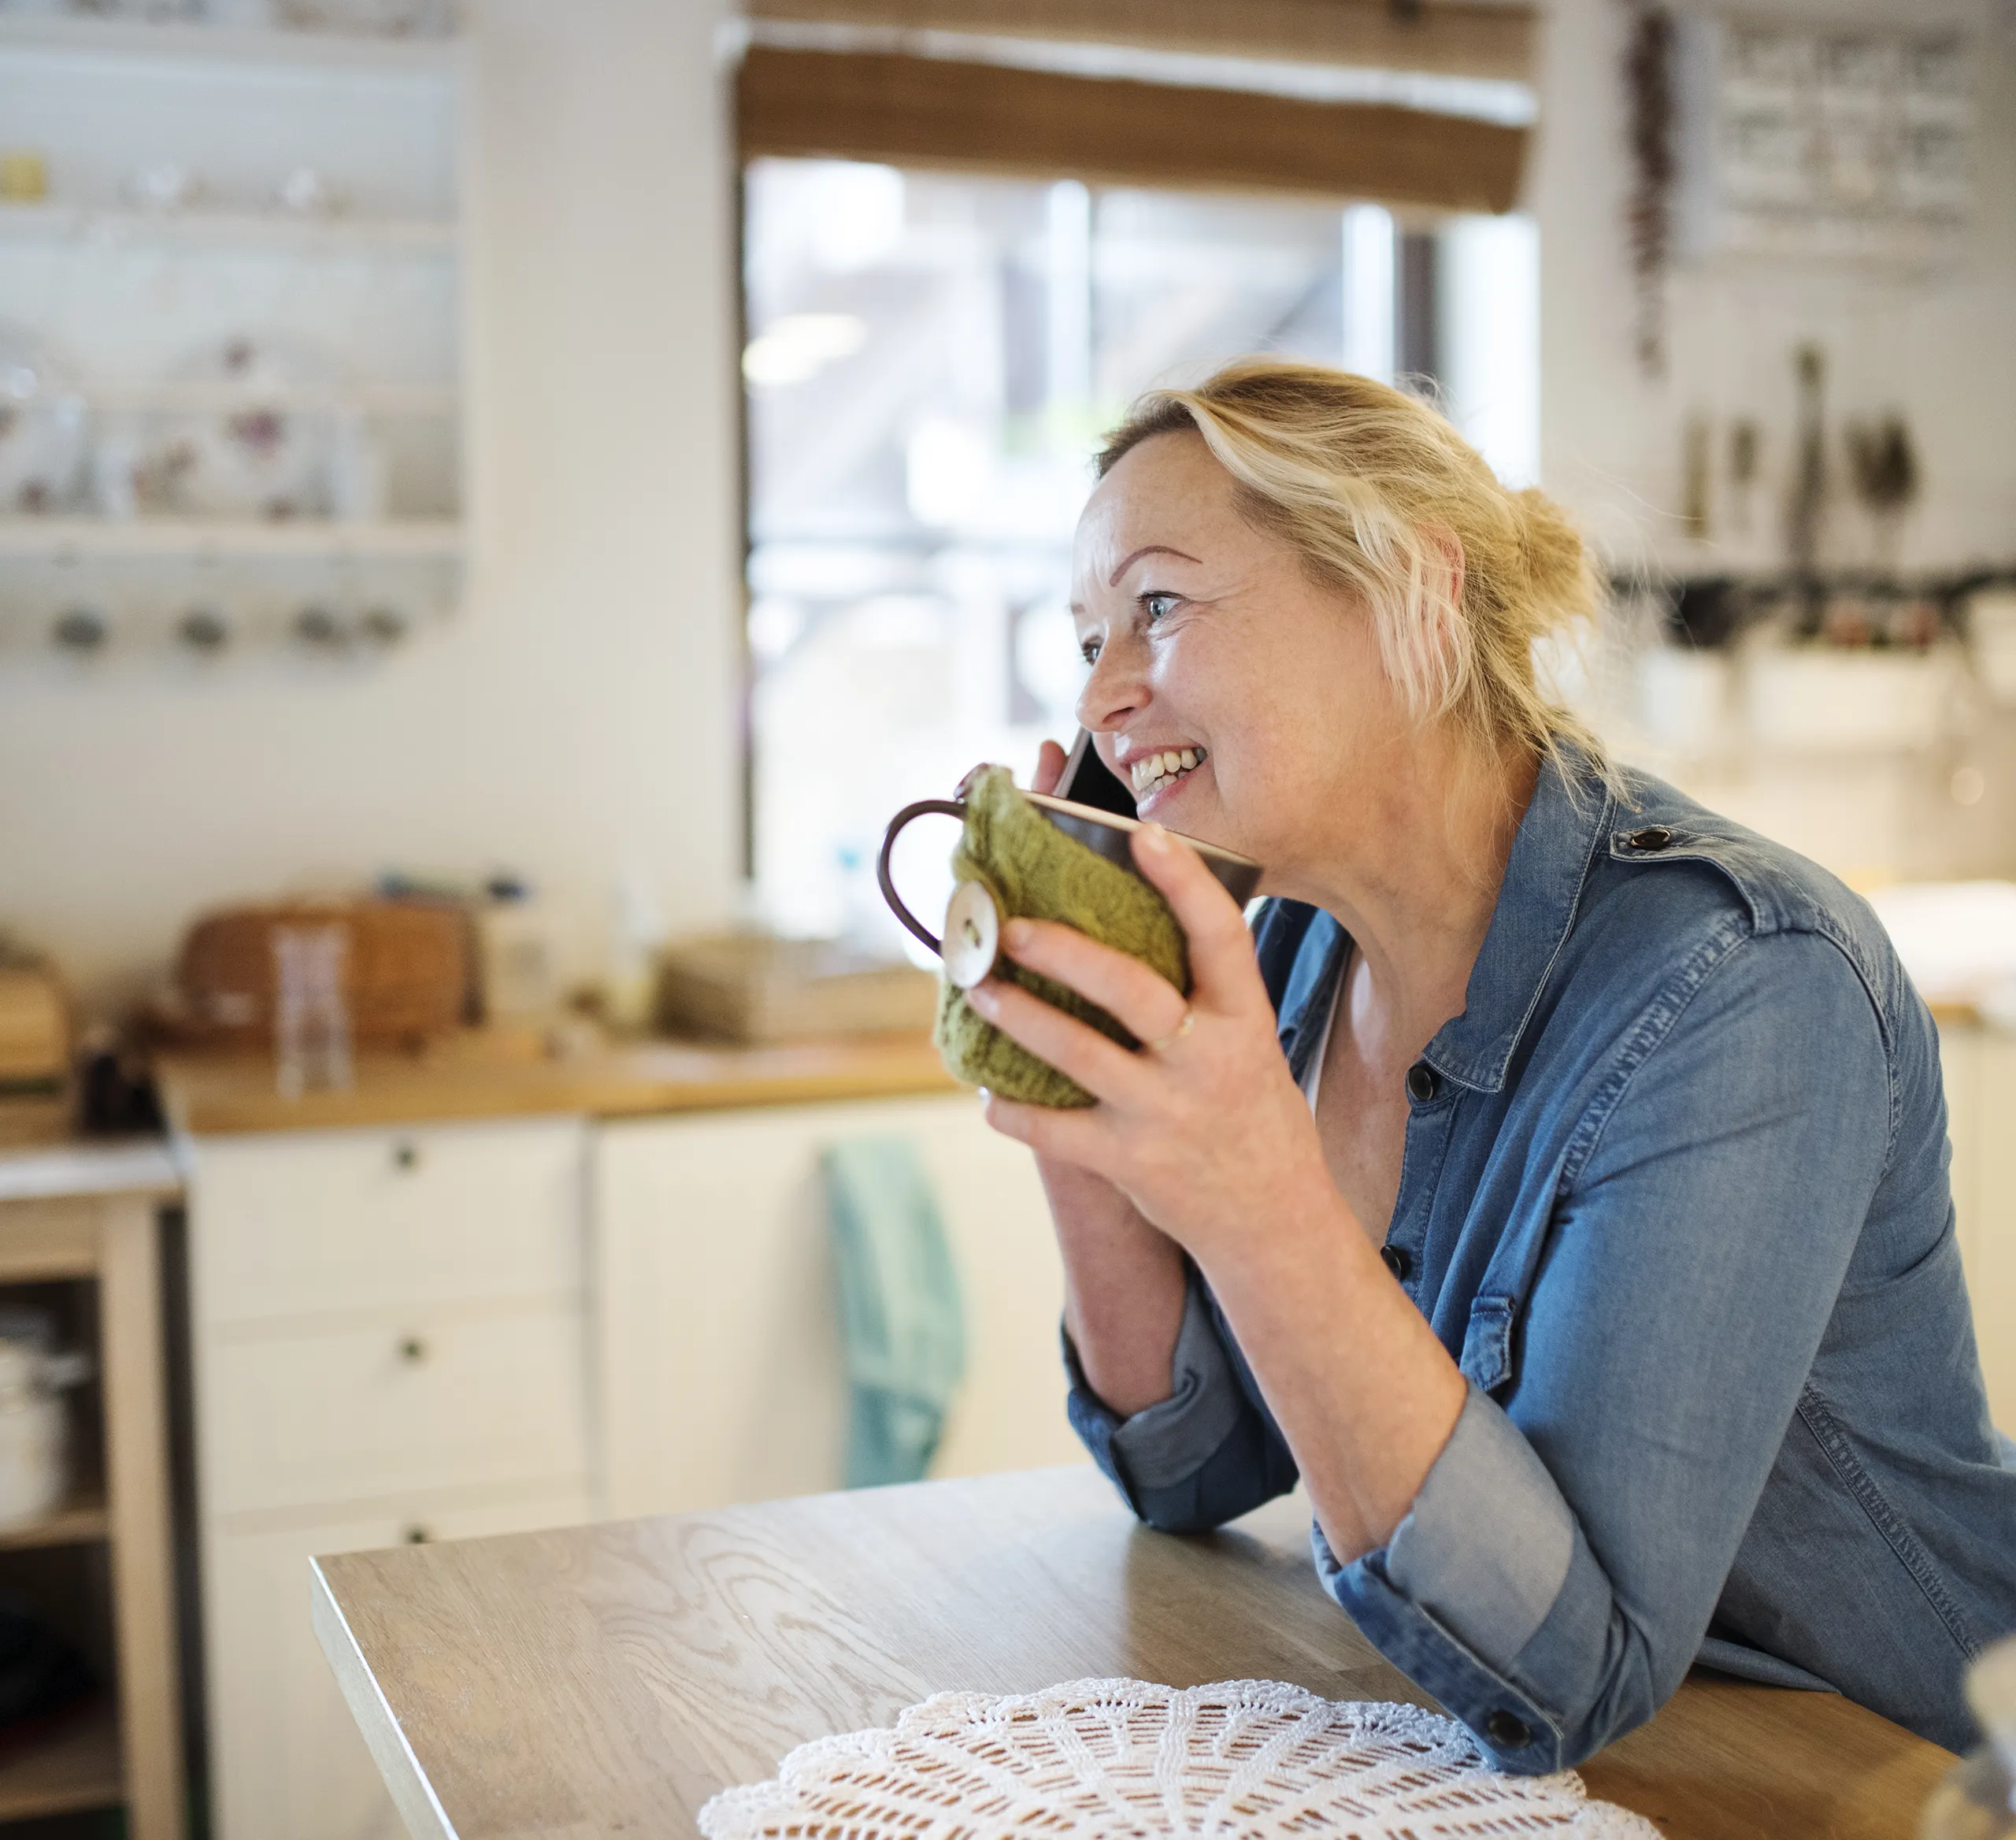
<point x="1445" y="634"/>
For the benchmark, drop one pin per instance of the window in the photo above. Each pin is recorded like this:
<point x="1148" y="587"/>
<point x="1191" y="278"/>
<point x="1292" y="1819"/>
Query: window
<point x="932" y="359"/>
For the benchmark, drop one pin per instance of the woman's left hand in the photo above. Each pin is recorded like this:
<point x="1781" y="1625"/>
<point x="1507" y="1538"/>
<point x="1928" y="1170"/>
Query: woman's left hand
<point x="1202" y="1126"/>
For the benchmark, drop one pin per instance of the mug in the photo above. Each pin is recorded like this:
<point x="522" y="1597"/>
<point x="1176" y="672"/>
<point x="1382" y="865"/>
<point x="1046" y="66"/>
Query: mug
<point x="973" y="924"/>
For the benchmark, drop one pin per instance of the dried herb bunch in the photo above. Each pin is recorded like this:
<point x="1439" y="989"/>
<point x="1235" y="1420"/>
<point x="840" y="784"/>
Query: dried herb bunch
<point x="1648" y="80"/>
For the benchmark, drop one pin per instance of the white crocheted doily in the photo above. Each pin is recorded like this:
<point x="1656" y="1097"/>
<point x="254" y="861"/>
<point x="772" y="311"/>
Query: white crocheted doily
<point x="1241" y="1760"/>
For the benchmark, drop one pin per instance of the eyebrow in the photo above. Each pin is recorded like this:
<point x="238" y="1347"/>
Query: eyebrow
<point x="1152" y="549"/>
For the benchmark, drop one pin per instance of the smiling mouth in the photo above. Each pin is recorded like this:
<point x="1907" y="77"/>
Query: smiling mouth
<point x="1154" y="771"/>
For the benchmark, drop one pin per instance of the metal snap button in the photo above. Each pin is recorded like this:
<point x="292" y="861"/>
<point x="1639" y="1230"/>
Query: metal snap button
<point x="1508" y="1730"/>
<point x="1396" y="1261"/>
<point x="1423" y="1082"/>
<point x="1652" y="838"/>
<point x="972" y="934"/>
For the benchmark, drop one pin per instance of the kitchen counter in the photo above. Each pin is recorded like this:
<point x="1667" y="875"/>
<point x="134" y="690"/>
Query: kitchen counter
<point x="484" y="1073"/>
<point x="43" y="1158"/>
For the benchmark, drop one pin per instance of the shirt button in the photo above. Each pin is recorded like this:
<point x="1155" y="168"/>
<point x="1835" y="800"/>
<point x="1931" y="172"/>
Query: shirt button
<point x="1422" y="1082"/>
<point x="1397" y="1261"/>
<point x="1507" y="1730"/>
<point x="1653" y="837"/>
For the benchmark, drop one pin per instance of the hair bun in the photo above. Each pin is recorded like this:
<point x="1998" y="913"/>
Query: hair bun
<point x="1557" y="563"/>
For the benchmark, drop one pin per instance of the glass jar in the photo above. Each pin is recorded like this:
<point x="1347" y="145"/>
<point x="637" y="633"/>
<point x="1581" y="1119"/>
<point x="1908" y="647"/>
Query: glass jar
<point x="1978" y="1800"/>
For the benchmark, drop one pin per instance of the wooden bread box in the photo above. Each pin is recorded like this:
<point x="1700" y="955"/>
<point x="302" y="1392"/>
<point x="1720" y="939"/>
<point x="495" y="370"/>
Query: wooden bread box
<point x="406" y="973"/>
<point x="34" y="1030"/>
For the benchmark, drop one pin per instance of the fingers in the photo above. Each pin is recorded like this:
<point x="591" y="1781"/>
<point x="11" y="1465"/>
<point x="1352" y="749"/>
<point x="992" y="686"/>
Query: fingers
<point x="1076" y="1049"/>
<point x="1221" y="965"/>
<point x="1140" y="999"/>
<point x="1078" y="1137"/>
<point x="1050" y="768"/>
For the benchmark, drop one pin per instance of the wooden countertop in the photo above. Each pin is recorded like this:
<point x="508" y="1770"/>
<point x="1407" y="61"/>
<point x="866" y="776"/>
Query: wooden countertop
<point x="486" y="1073"/>
<point x="609" y="1679"/>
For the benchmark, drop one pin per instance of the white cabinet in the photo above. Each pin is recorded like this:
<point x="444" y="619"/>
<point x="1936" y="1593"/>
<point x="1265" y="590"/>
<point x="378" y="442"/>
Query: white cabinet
<point x="473" y="1328"/>
<point x="1979" y="1067"/>
<point x="390" y="1338"/>
<point x="717" y="1351"/>
<point x="288" y="1759"/>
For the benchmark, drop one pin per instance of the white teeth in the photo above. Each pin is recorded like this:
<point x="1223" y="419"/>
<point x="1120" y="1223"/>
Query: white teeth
<point x="1152" y="770"/>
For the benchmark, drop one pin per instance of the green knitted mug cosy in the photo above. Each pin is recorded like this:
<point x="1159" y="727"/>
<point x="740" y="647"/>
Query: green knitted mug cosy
<point x="1034" y="872"/>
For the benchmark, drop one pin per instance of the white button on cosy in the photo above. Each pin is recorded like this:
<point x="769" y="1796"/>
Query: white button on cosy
<point x="972" y="935"/>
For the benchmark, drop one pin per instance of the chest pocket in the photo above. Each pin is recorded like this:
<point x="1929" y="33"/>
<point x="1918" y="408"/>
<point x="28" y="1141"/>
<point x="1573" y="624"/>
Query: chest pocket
<point x="1487" y="1358"/>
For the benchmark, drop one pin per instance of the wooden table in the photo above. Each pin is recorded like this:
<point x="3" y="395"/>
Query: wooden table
<point x="608" y="1680"/>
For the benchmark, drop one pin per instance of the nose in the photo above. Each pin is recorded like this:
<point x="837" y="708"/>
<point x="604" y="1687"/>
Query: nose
<point x="1117" y="689"/>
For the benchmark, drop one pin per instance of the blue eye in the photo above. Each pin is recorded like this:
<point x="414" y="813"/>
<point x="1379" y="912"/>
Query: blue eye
<point x="1155" y="604"/>
<point x="1089" y="650"/>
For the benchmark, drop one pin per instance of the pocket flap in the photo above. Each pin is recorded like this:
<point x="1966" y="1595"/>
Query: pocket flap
<point x="1486" y="1359"/>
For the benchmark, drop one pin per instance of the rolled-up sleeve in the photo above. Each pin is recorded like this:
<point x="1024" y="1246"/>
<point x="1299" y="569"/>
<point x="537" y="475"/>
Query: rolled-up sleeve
<point x="1559" y="1567"/>
<point x="1204" y="1454"/>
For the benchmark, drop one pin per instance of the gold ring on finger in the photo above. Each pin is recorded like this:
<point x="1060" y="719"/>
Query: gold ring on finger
<point x="1175" y="1035"/>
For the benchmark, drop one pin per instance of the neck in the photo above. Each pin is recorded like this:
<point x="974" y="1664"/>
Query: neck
<point x="1416" y="879"/>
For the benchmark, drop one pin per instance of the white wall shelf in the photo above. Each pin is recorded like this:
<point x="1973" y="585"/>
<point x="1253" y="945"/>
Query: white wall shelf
<point x="357" y="315"/>
<point x="203" y="397"/>
<point x="57" y="539"/>
<point x="191" y="42"/>
<point x="331" y="235"/>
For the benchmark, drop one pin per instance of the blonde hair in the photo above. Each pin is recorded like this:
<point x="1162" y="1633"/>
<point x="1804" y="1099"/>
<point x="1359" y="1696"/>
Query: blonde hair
<point x="1370" y="486"/>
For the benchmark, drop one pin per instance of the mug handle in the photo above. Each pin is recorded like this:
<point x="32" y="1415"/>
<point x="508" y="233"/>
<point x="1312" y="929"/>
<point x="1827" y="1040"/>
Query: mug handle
<point x="923" y="808"/>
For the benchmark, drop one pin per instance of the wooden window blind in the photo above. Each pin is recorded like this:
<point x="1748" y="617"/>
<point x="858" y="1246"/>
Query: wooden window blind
<point x="1456" y="37"/>
<point x="930" y="111"/>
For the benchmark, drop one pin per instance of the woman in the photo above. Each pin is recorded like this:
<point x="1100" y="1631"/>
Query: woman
<point x="1560" y="1189"/>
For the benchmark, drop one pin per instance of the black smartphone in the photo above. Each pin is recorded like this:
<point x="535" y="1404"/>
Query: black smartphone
<point x="1088" y="781"/>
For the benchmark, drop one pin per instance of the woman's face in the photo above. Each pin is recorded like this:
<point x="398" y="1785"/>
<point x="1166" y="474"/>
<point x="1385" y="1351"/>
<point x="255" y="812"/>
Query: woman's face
<point x="1209" y="645"/>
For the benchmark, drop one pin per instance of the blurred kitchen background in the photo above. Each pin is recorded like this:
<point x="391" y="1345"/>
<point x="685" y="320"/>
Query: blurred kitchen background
<point x="499" y="502"/>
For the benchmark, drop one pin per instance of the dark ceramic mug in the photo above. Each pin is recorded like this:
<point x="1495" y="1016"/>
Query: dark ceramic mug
<point x="971" y="918"/>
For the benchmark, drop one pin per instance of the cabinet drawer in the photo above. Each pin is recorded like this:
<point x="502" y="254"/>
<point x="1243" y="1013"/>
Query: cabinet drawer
<point x="287" y="1761"/>
<point x="361" y="1414"/>
<point x="341" y="1220"/>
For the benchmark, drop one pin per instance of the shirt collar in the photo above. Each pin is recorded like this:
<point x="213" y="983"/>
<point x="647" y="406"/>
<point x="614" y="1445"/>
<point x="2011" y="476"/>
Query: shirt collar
<point x="1311" y="989"/>
<point x="1557" y="841"/>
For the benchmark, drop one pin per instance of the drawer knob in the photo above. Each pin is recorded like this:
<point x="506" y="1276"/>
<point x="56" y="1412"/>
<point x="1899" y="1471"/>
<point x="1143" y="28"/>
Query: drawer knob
<point x="413" y="1350"/>
<point x="417" y="1534"/>
<point x="405" y="1156"/>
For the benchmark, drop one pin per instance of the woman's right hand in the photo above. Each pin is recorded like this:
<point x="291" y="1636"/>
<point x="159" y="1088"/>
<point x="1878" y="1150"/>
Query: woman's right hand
<point x="1049" y="767"/>
<point x="1123" y="1279"/>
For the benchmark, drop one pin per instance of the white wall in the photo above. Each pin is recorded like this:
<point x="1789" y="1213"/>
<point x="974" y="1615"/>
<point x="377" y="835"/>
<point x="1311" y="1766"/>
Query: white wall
<point x="579" y="712"/>
<point x="1939" y="346"/>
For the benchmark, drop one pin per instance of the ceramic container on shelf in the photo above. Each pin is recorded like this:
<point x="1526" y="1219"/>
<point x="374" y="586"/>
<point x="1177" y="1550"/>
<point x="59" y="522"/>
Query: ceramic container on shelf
<point x="266" y="448"/>
<point x="393" y="19"/>
<point x="42" y="428"/>
<point x="34" y="1423"/>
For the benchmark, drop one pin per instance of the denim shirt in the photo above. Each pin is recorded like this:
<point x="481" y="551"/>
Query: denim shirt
<point x="1674" y="1197"/>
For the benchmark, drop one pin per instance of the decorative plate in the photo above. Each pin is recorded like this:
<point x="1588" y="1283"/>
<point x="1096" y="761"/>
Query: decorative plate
<point x="42" y="428"/>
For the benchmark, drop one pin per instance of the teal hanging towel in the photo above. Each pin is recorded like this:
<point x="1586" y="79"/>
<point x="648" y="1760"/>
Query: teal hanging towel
<point x="901" y="1320"/>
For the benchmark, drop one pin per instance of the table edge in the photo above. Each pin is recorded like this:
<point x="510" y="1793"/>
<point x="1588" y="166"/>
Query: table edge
<point x="413" y="1794"/>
